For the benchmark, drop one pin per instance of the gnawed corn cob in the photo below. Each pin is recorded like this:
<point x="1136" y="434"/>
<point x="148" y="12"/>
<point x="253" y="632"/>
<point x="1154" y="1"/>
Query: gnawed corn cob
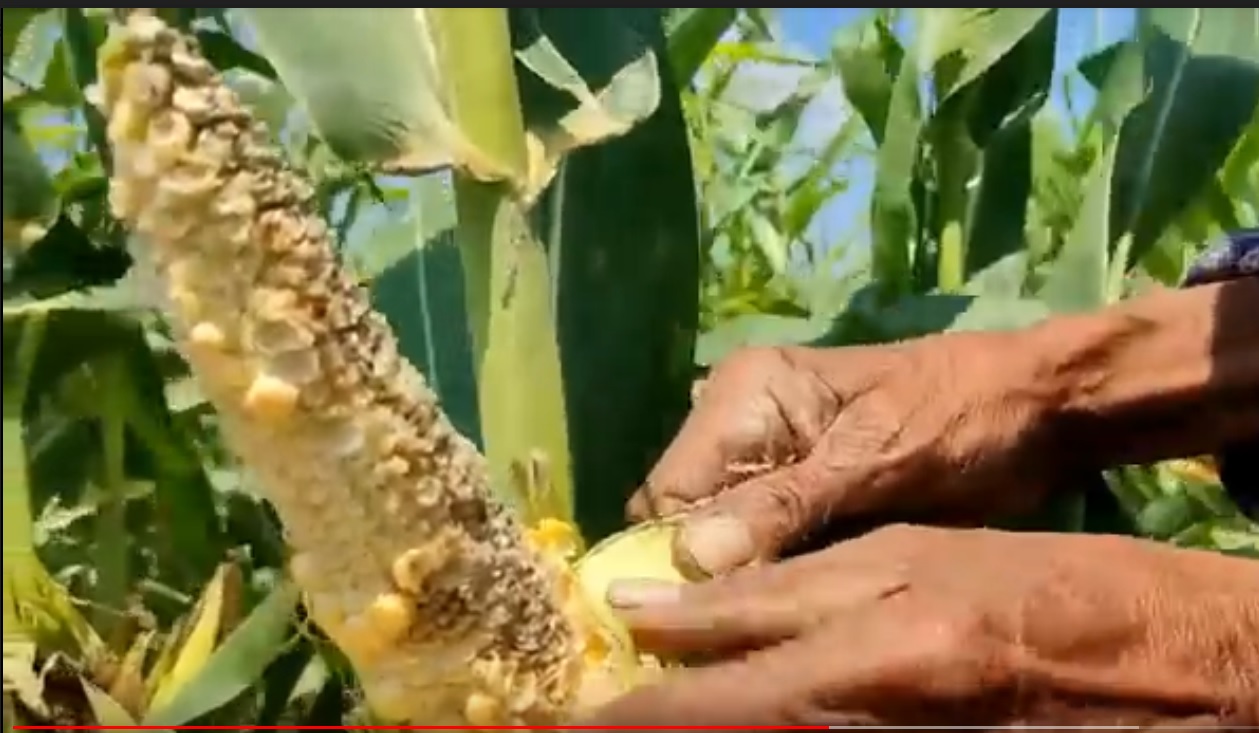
<point x="446" y="610"/>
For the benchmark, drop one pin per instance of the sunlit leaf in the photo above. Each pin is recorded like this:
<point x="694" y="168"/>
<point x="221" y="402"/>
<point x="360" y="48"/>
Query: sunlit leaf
<point x="692" y="33"/>
<point x="107" y="711"/>
<point x="1204" y="88"/>
<point x="981" y="36"/>
<point x="892" y="214"/>
<point x="369" y="80"/>
<point x="1078" y="279"/>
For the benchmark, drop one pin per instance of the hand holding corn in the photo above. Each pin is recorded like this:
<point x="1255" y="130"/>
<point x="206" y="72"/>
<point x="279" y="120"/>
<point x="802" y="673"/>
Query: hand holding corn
<point x="914" y="626"/>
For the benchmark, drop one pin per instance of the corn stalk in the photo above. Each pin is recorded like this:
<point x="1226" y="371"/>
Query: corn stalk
<point x="37" y="610"/>
<point x="506" y="275"/>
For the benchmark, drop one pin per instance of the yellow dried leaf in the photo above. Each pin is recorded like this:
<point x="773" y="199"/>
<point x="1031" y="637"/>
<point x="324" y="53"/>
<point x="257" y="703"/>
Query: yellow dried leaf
<point x="200" y="643"/>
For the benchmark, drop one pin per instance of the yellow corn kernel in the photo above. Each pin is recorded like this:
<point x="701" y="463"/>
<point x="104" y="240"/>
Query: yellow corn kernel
<point x="411" y="569"/>
<point x="302" y="568"/>
<point x="271" y="398"/>
<point x="391" y="614"/>
<point x="554" y="537"/>
<point x="206" y="335"/>
<point x="390" y="700"/>
<point x="377" y="629"/>
<point x="483" y="710"/>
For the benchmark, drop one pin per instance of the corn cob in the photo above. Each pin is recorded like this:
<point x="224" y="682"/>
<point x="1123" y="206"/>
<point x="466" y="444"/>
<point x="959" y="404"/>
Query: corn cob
<point x="447" y="611"/>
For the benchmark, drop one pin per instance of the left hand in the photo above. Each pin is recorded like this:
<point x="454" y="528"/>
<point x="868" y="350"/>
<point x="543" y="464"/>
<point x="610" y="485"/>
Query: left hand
<point x="919" y="626"/>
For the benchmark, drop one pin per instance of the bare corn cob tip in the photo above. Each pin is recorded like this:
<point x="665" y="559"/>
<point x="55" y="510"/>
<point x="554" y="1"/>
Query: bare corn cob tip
<point x="423" y="580"/>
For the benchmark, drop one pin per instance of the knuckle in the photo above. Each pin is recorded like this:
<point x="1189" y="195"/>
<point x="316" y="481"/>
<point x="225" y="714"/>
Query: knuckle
<point x="970" y="653"/>
<point x="951" y="634"/>
<point x="952" y="662"/>
<point x="750" y="361"/>
<point x="638" y="508"/>
<point x="787" y="505"/>
<point x="957" y="630"/>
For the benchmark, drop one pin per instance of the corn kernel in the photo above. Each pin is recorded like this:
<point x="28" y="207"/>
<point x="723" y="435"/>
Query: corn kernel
<point x="481" y="709"/>
<point x="391" y="614"/>
<point x="271" y="398"/>
<point x="555" y="537"/>
<point x="206" y="335"/>
<point x="303" y="569"/>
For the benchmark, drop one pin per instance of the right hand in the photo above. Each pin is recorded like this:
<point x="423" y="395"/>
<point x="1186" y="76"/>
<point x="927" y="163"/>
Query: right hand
<point x="885" y="630"/>
<point x="784" y="441"/>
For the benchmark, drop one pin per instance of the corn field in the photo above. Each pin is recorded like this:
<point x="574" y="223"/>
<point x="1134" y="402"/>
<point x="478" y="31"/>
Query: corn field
<point x="335" y="339"/>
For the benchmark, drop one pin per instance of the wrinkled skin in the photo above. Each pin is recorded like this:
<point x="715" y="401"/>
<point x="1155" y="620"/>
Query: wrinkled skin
<point x="924" y="414"/>
<point x="923" y="626"/>
<point x="910" y="625"/>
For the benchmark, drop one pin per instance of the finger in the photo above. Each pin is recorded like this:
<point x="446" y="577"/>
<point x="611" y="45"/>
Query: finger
<point x="787" y="685"/>
<point x="894" y="662"/>
<point x="713" y="618"/>
<point x="884" y="663"/>
<point x="638" y="508"/>
<point x="757" y="519"/>
<point x="751" y="608"/>
<point x="724" y="434"/>
<point x="910" y="660"/>
<point x="748" y="692"/>
<point x="758" y="408"/>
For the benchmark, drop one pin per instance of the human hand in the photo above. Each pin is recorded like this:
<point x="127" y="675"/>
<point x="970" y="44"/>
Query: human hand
<point x="917" y="626"/>
<point x="784" y="441"/>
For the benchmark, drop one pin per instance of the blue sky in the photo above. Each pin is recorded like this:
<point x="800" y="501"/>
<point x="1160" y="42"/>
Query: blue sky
<point x="1081" y="30"/>
<point x="810" y="30"/>
<point x="814" y="27"/>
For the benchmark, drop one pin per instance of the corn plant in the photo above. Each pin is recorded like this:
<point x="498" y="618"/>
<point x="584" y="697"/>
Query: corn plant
<point x="762" y="187"/>
<point x="499" y="123"/>
<point x="231" y="498"/>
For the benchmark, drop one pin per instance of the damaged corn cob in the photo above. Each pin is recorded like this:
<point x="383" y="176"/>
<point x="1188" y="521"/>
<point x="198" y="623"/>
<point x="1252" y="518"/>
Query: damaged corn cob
<point x="446" y="609"/>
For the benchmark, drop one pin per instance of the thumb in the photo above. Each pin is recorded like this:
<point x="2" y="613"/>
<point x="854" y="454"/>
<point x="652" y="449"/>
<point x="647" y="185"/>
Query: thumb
<point x="757" y="519"/>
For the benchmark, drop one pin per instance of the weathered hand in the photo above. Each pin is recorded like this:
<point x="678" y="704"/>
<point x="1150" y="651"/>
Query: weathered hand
<point x="784" y="441"/>
<point x="918" y="626"/>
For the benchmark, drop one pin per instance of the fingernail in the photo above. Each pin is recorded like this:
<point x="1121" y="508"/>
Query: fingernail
<point x="636" y="593"/>
<point x="717" y="543"/>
